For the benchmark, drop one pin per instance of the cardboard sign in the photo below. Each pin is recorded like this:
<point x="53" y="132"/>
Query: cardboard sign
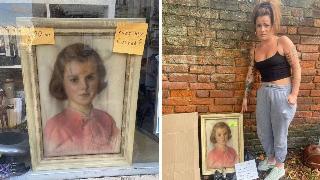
<point x="130" y="38"/>
<point x="246" y="170"/>
<point x="180" y="150"/>
<point x="36" y="36"/>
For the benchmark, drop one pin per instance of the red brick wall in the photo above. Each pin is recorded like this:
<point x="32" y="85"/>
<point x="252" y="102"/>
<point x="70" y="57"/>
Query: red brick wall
<point x="206" y="45"/>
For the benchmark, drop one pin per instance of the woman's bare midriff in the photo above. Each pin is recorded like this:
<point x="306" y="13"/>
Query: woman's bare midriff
<point x="284" y="81"/>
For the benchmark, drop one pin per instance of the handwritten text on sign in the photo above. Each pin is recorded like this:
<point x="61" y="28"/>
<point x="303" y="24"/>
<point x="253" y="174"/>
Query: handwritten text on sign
<point x="246" y="170"/>
<point x="36" y="36"/>
<point x="130" y="38"/>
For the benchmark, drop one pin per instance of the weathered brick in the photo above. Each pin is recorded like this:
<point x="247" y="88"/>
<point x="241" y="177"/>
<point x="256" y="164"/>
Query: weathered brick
<point x="185" y="109"/>
<point x="223" y="5"/>
<point x="182" y="68"/>
<point x="223" y="78"/>
<point x="307" y="48"/>
<point x="169" y="10"/>
<point x="229" y="35"/>
<point x="309" y="72"/>
<point x="220" y="108"/>
<point x="307" y="79"/>
<point x="179" y="59"/>
<point x="206" y="60"/>
<point x="202" y="86"/>
<point x="310" y="40"/>
<point x="176" y="101"/>
<point x="181" y="93"/>
<point x="305" y="100"/>
<point x="231" y="101"/>
<point x="203" y="42"/>
<point x="310" y="56"/>
<point x="242" y="62"/>
<point x="202" y="109"/>
<point x="297" y="12"/>
<point x="292" y="30"/>
<point x="164" y="77"/>
<point x="225" y="86"/>
<point x="225" y="69"/>
<point x="304" y="93"/>
<point x="202" y="32"/>
<point x="183" y="77"/>
<point x="309" y="31"/>
<point x="201" y="101"/>
<point x="202" y="23"/>
<point x="221" y="93"/>
<point x="177" y="31"/>
<point x="235" y="16"/>
<point x="307" y="86"/>
<point x="315" y="107"/>
<point x="290" y="21"/>
<point x="175" y="85"/>
<point x="202" y="93"/>
<point x="165" y="93"/>
<point x="307" y="64"/>
<point x="240" y="77"/>
<point x="179" y="41"/>
<point x="175" y="20"/>
<point x="203" y="78"/>
<point x="204" y="13"/>
<point x="183" y="2"/>
<point x="241" y="70"/>
<point x="316" y="79"/>
<point x="195" y="69"/>
<point x="223" y="25"/>
<point x="204" y="3"/>
<point x="315" y="93"/>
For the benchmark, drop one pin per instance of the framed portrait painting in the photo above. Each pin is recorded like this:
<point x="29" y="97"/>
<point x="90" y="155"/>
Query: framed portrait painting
<point x="81" y="97"/>
<point x="221" y="142"/>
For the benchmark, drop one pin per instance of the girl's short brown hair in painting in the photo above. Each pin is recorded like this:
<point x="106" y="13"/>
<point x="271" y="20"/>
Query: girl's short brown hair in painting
<point x="75" y="52"/>
<point x="221" y="125"/>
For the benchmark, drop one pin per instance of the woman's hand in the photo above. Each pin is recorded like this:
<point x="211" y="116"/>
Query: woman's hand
<point x="292" y="99"/>
<point x="244" y="105"/>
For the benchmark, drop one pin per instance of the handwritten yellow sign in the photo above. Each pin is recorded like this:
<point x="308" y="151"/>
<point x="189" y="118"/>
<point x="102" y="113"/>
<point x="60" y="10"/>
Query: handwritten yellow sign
<point x="36" y="36"/>
<point x="130" y="38"/>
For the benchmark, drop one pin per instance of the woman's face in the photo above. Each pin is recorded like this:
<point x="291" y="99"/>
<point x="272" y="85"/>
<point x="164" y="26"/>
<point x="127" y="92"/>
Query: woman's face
<point x="264" y="28"/>
<point x="222" y="136"/>
<point x="80" y="82"/>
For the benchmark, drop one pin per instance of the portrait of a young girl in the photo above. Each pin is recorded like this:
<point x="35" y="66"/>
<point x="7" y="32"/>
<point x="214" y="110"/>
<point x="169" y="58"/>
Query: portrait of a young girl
<point x="78" y="76"/>
<point x="221" y="155"/>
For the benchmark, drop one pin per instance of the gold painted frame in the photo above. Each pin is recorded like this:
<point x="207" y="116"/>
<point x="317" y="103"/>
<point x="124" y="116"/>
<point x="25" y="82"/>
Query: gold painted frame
<point x="235" y="122"/>
<point x="87" y="30"/>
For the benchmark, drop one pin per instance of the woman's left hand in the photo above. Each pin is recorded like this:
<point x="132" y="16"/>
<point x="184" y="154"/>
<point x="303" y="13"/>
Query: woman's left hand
<point x="292" y="99"/>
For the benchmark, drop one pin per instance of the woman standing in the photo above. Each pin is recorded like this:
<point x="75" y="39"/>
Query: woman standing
<point x="277" y="61"/>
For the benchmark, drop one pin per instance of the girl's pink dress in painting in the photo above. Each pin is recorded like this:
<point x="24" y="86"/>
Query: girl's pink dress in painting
<point x="218" y="158"/>
<point x="72" y="133"/>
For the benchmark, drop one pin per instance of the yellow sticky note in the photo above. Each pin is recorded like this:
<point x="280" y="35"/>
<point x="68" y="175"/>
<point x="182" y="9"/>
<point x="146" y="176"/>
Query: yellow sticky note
<point x="130" y="38"/>
<point x="36" y="36"/>
<point x="232" y="123"/>
<point x="43" y="36"/>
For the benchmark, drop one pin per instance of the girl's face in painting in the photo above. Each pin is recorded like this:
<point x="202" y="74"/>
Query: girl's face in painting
<point x="222" y="136"/>
<point x="80" y="82"/>
<point x="264" y="28"/>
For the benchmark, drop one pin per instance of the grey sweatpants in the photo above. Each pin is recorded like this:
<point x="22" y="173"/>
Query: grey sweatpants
<point x="274" y="115"/>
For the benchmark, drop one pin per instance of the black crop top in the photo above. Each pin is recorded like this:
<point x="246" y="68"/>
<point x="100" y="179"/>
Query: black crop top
<point x="273" y="68"/>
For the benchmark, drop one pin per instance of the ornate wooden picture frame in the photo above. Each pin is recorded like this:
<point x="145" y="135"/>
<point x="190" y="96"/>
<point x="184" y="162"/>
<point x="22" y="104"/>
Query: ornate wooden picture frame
<point x="221" y="154"/>
<point x="118" y="99"/>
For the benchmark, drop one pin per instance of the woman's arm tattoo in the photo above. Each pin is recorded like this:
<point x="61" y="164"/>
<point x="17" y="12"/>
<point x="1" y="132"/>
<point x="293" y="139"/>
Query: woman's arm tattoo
<point x="250" y="77"/>
<point x="293" y="59"/>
